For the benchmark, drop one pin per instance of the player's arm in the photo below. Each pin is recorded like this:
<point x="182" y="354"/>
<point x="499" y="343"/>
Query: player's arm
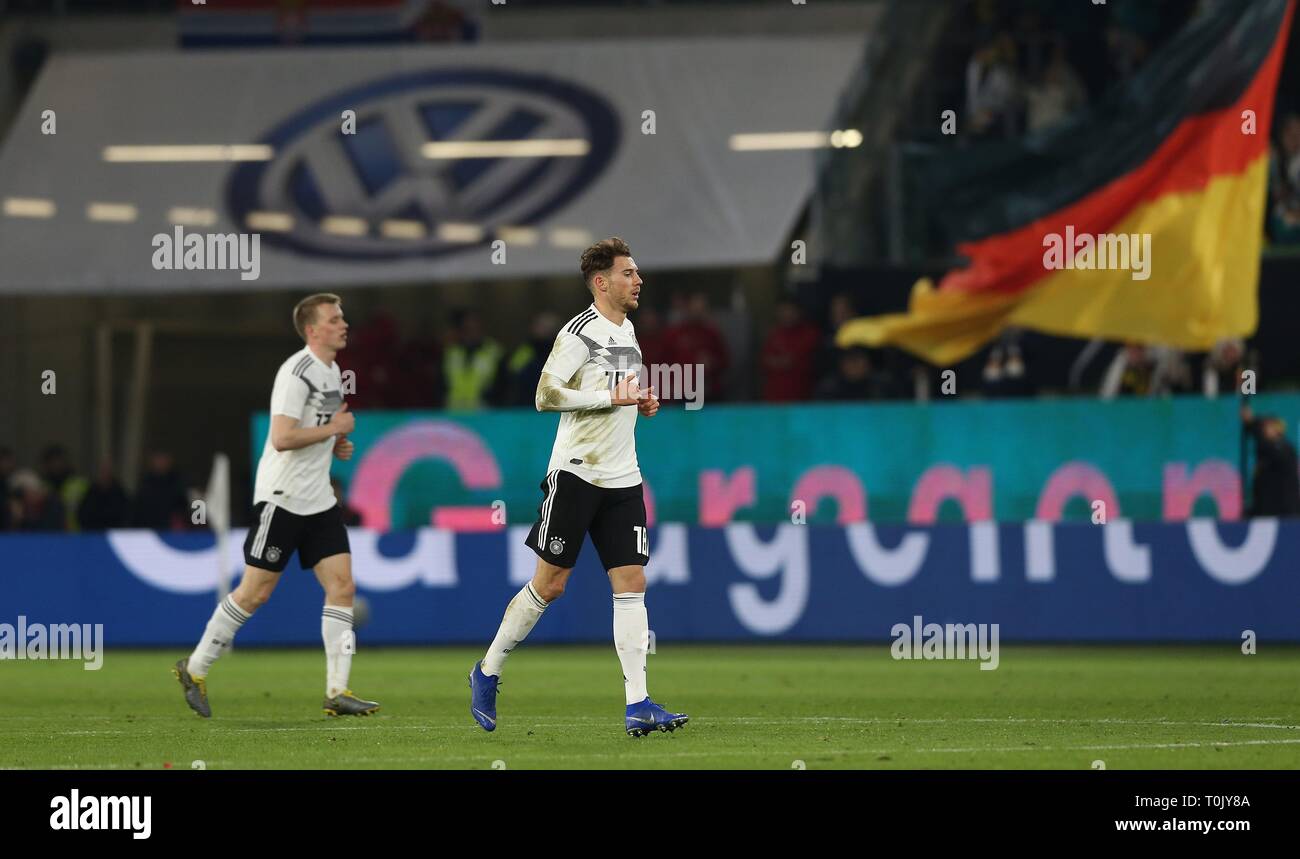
<point x="288" y="400"/>
<point x="553" y="392"/>
<point x="287" y="435"/>
<point x="553" y="395"/>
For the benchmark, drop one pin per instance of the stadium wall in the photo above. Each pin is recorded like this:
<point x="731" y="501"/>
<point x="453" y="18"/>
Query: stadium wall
<point x="1193" y="581"/>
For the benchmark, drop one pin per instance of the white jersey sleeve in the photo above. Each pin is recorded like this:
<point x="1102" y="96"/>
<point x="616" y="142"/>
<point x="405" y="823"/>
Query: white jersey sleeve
<point x="289" y="396"/>
<point x="567" y="357"/>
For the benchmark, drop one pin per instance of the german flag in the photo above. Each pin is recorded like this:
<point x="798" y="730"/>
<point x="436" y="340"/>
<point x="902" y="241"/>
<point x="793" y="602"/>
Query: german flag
<point x="1142" y="219"/>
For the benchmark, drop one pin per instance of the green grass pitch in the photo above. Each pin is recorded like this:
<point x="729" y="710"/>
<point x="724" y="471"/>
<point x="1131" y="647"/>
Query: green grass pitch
<point x="769" y="707"/>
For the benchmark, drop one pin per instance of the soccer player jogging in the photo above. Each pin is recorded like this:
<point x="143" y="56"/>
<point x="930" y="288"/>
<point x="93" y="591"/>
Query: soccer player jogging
<point x="592" y="486"/>
<point x="295" y="510"/>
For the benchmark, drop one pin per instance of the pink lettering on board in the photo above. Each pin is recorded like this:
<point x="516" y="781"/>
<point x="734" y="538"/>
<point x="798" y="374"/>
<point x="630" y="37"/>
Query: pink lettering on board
<point x="832" y="481"/>
<point x="1217" y="477"/>
<point x="972" y="489"/>
<point x="1071" y="479"/>
<point x="722" y="495"/>
<point x="383" y="464"/>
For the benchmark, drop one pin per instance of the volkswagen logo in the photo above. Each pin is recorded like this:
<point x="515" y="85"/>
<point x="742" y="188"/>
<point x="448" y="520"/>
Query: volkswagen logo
<point x="380" y="175"/>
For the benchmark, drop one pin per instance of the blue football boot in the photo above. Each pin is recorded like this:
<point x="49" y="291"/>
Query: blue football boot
<point x="483" y="697"/>
<point x="648" y="716"/>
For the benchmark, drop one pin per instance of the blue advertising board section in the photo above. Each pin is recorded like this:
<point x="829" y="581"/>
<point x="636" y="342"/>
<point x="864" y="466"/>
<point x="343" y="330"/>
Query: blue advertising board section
<point x="1194" y="581"/>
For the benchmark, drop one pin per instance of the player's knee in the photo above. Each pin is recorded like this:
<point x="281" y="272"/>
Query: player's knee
<point x="250" y="599"/>
<point x="343" y="592"/>
<point x="550" y="590"/>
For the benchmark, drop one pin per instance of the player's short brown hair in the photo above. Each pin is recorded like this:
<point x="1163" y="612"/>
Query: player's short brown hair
<point x="304" y="313"/>
<point x="600" y="257"/>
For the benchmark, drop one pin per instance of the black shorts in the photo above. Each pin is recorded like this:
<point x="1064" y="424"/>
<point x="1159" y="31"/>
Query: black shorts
<point x="278" y="533"/>
<point x="572" y="508"/>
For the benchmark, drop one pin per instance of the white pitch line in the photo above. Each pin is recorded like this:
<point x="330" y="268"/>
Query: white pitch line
<point x="1136" y="746"/>
<point x="708" y="753"/>
<point x="578" y="722"/>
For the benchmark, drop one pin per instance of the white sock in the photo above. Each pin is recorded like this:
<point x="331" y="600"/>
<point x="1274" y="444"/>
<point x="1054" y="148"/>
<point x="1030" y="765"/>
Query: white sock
<point x="521" y="616"/>
<point x="340" y="644"/>
<point x="632" y="640"/>
<point x="226" y="620"/>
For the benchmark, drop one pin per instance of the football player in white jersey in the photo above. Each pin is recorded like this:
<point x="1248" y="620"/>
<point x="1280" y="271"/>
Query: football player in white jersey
<point x="592" y="486"/>
<point x="295" y="510"/>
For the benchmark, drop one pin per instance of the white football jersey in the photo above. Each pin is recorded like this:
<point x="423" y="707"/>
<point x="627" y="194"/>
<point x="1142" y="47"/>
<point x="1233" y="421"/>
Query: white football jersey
<point x="309" y="391"/>
<point x="599" y="445"/>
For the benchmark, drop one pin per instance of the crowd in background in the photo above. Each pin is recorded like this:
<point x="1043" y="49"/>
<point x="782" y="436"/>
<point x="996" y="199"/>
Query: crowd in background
<point x="1284" y="182"/>
<point x="796" y="360"/>
<point x="54" y="497"/>
<point x="1036" y="62"/>
<point x="467" y="368"/>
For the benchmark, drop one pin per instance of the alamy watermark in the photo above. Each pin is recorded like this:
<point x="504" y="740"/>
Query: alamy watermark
<point x="670" y="382"/>
<point x="182" y="251"/>
<point x="132" y="813"/>
<point x="1085" y="251"/>
<point x="946" y="641"/>
<point x="53" y="641"/>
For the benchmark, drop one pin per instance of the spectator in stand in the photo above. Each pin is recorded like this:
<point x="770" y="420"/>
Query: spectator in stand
<point x="56" y="468"/>
<point x="8" y="514"/>
<point x="372" y="356"/>
<point x="1004" y="372"/>
<point x="1135" y="27"/>
<point x="696" y="344"/>
<point x="419" y="373"/>
<point x="1284" y="183"/>
<point x="8" y="465"/>
<point x="105" y="504"/>
<point x="1145" y="371"/>
<point x="993" y="89"/>
<point x="856" y="379"/>
<point x="1056" y="95"/>
<point x="1276" y="484"/>
<point x="161" y="502"/>
<point x="470" y="364"/>
<point x="351" y="517"/>
<point x="522" y="369"/>
<point x="788" y="355"/>
<point x="842" y="309"/>
<point x="39" y="508"/>
<point x="1222" y="364"/>
<point x="650" y="337"/>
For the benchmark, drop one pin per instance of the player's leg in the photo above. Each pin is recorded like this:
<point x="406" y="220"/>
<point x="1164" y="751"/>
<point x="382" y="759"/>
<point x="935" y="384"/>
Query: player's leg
<point x="326" y="550"/>
<point x="631" y="628"/>
<point x="266" y="551"/>
<point x="568" y="503"/>
<point x="523" y="612"/>
<point x="622" y="540"/>
<point x="254" y="589"/>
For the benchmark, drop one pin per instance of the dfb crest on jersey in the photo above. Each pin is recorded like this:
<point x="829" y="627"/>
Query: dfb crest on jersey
<point x="556" y="546"/>
<point x="272" y="554"/>
<point x="380" y="172"/>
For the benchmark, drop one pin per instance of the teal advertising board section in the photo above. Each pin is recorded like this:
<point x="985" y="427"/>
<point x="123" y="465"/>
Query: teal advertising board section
<point x="1145" y="459"/>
